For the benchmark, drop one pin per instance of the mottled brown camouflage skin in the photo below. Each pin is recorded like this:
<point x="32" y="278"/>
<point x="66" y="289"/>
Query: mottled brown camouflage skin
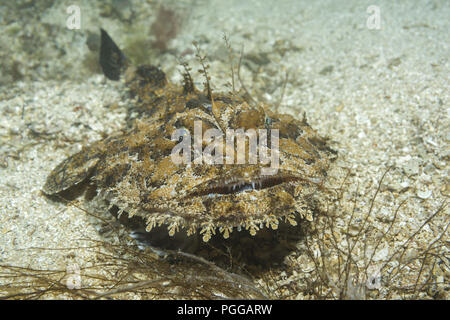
<point x="134" y="171"/>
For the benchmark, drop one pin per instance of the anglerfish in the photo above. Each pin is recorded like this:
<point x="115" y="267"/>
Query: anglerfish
<point x="200" y="160"/>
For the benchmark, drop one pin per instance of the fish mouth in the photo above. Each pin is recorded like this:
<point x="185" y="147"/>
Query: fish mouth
<point x="238" y="185"/>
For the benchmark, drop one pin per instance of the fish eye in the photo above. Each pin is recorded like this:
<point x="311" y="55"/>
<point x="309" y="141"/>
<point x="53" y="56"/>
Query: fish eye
<point x="207" y="106"/>
<point x="196" y="103"/>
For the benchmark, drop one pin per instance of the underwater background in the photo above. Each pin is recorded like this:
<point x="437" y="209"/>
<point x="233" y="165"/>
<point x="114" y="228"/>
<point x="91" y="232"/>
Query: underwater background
<point x="373" y="76"/>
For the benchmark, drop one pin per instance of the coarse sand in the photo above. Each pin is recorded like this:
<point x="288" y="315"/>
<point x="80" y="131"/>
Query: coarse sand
<point x="379" y="92"/>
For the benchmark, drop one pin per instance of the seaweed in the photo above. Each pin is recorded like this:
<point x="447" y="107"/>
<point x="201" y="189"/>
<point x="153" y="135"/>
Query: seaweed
<point x="124" y="270"/>
<point x="344" y="267"/>
<point x="343" y="264"/>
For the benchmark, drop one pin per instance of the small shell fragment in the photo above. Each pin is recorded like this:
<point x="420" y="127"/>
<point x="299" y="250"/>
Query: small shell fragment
<point x="424" y="194"/>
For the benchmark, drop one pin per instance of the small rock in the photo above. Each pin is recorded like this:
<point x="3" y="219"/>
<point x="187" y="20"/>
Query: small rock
<point x="381" y="254"/>
<point x="326" y="70"/>
<point x="412" y="167"/>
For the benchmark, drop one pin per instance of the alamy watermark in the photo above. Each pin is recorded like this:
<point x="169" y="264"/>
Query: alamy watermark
<point x="374" y="279"/>
<point x="213" y="153"/>
<point x="73" y="22"/>
<point x="73" y="278"/>
<point x="374" y="20"/>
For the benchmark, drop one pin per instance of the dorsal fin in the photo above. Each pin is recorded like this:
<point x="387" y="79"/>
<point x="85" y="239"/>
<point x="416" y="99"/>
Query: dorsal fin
<point x="112" y="60"/>
<point x="188" y="83"/>
<point x="204" y="71"/>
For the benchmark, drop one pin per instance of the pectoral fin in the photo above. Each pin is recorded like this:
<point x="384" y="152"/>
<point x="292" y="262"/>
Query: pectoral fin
<point x="71" y="171"/>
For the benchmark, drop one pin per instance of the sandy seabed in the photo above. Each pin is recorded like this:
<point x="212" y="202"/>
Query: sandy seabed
<point x="380" y="93"/>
